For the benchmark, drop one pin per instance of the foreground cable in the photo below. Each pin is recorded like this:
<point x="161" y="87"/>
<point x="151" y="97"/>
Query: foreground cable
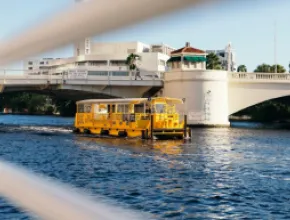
<point x="51" y="200"/>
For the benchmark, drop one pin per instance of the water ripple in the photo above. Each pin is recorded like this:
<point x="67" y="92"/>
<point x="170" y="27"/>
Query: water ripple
<point x="219" y="174"/>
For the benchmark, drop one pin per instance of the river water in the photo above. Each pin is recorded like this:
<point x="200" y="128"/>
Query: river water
<point x="224" y="173"/>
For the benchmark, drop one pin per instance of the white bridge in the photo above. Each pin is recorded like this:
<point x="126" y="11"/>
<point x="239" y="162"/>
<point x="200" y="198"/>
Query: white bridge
<point x="79" y="86"/>
<point x="247" y="89"/>
<point x="234" y="91"/>
<point x="211" y="96"/>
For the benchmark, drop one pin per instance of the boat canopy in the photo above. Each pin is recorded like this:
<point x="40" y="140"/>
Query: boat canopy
<point x="135" y="101"/>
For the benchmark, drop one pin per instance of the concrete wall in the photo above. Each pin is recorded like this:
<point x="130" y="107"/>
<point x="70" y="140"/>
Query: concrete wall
<point x="211" y="96"/>
<point x="206" y="94"/>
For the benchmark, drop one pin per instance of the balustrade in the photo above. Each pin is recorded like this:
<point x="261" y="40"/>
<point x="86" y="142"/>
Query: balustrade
<point x="259" y="76"/>
<point x="29" y="77"/>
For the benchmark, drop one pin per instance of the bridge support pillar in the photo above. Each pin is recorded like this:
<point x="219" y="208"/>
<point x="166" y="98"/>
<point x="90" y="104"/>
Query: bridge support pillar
<point x="205" y="93"/>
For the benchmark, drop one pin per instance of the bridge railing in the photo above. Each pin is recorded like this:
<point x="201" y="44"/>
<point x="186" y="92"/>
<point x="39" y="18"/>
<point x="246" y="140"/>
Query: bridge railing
<point x="259" y="76"/>
<point x="17" y="76"/>
<point x="83" y="74"/>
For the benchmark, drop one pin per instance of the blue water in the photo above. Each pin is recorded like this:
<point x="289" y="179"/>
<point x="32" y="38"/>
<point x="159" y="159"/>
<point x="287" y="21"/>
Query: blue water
<point x="223" y="173"/>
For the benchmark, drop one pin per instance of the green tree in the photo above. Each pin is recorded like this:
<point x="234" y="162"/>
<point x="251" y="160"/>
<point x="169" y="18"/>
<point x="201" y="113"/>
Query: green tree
<point x="213" y="62"/>
<point x="280" y="69"/>
<point x="49" y="110"/>
<point x="19" y="101"/>
<point x="65" y="107"/>
<point x="263" y="68"/>
<point x="36" y="103"/>
<point x="131" y="62"/>
<point x="266" y="68"/>
<point x="242" y="68"/>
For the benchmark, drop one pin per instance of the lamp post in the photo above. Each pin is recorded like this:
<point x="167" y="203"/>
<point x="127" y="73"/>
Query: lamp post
<point x="275" y="46"/>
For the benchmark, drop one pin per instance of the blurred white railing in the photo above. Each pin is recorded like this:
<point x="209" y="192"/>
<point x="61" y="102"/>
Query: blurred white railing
<point x="53" y="200"/>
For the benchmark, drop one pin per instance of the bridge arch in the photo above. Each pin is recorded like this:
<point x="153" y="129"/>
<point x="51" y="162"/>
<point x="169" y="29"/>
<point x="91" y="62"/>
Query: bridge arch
<point x="245" y="94"/>
<point x="66" y="94"/>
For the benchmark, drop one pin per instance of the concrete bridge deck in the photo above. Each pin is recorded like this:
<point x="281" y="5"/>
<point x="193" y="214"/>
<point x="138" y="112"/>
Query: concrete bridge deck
<point x="21" y="79"/>
<point x="83" y="86"/>
<point x="79" y="87"/>
<point x="14" y="80"/>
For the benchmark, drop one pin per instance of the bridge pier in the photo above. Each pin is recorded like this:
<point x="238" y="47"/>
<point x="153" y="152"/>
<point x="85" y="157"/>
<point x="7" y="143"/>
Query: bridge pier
<point x="205" y="93"/>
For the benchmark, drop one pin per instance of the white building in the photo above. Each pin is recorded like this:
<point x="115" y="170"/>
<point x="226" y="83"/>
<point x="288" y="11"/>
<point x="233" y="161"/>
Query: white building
<point x="103" y="58"/>
<point x="227" y="58"/>
<point x="37" y="66"/>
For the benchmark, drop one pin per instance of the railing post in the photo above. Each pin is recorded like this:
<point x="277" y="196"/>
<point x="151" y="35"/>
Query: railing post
<point x="109" y="77"/>
<point x="185" y="126"/>
<point x="151" y="126"/>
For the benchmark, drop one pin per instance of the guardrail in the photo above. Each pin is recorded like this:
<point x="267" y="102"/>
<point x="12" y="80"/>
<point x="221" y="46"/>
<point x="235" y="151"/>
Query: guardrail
<point x="76" y="74"/>
<point x="156" y="77"/>
<point x="86" y="80"/>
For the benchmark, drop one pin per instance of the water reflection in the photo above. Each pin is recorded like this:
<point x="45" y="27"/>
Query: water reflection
<point x="169" y="147"/>
<point x="219" y="174"/>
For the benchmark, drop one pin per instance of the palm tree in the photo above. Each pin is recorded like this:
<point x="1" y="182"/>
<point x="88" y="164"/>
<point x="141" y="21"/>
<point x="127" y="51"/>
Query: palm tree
<point x="263" y="68"/>
<point x="280" y="69"/>
<point x="131" y="62"/>
<point x="213" y="62"/>
<point x="242" y="68"/>
<point x="266" y="68"/>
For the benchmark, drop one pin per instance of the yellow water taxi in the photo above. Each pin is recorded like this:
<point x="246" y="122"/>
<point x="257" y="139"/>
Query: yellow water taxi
<point x="139" y="117"/>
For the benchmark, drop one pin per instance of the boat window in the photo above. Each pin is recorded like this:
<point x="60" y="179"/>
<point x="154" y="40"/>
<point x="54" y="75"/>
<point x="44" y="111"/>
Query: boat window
<point x="81" y="108"/>
<point x="170" y="109"/>
<point x="103" y="109"/>
<point x="87" y="108"/>
<point x="123" y="108"/>
<point x="159" y="108"/>
<point x="100" y="109"/>
<point x="96" y="108"/>
<point x="111" y="108"/>
<point x="126" y="108"/>
<point x="139" y="108"/>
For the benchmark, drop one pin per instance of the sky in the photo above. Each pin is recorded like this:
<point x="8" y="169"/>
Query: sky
<point x="247" y="24"/>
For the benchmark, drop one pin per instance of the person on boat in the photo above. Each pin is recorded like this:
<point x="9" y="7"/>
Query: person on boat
<point x="148" y="109"/>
